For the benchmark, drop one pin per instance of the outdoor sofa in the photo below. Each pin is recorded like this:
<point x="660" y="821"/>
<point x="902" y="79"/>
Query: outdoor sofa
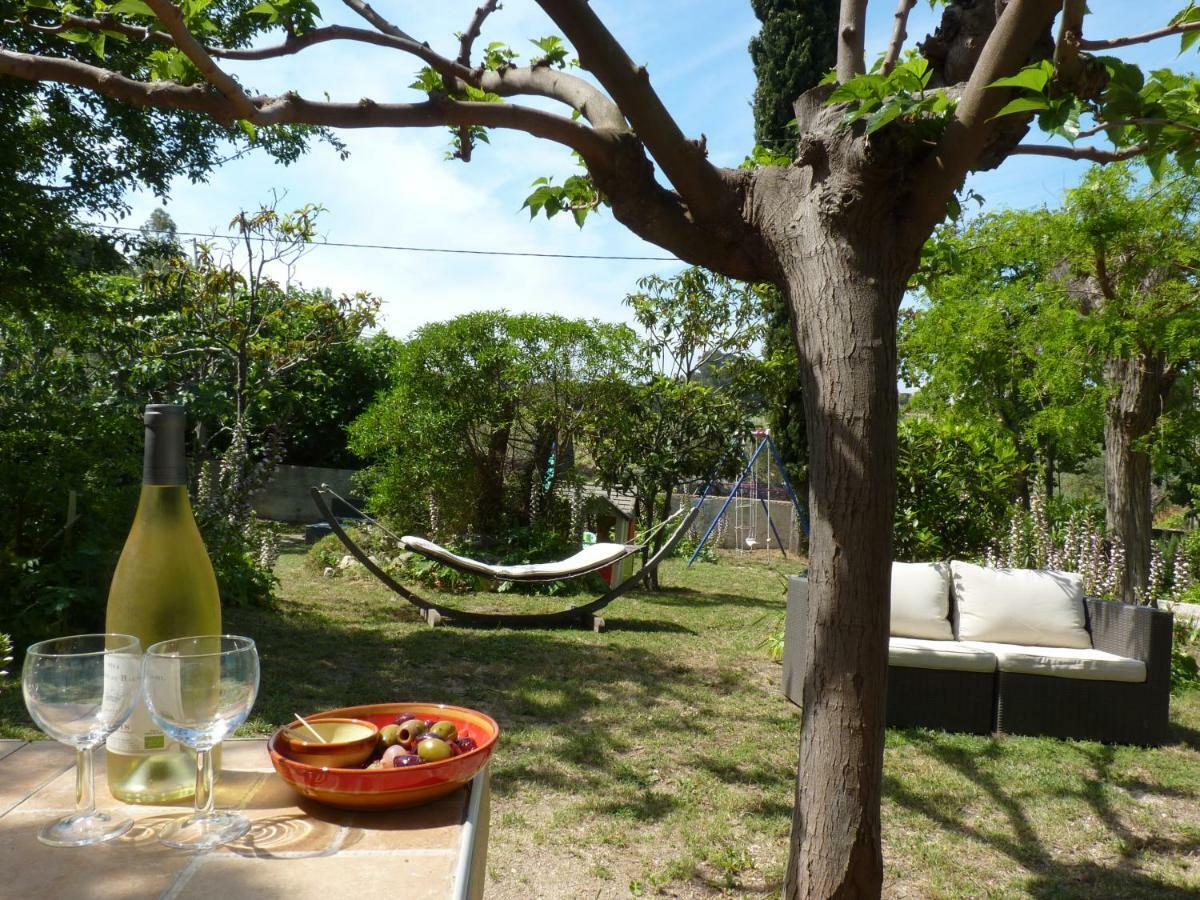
<point x="1014" y="651"/>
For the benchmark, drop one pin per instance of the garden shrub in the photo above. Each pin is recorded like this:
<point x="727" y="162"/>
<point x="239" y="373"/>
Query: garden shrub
<point x="324" y="554"/>
<point x="1189" y="550"/>
<point x="953" y="486"/>
<point x="686" y="546"/>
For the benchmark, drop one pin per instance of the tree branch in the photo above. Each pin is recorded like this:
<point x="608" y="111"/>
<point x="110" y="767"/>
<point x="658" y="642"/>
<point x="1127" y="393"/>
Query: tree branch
<point x="512" y="81"/>
<point x="291" y="108"/>
<point x="615" y="155"/>
<point x="851" y="46"/>
<point x="365" y="10"/>
<point x="541" y="81"/>
<point x="1090" y="154"/>
<point x="899" y="34"/>
<point x="473" y="29"/>
<point x="168" y="13"/>
<point x="1123" y="123"/>
<point x="1006" y="50"/>
<point x="466" y="141"/>
<point x="1114" y="43"/>
<point x="70" y="21"/>
<point x="1070" y="32"/>
<point x="684" y="162"/>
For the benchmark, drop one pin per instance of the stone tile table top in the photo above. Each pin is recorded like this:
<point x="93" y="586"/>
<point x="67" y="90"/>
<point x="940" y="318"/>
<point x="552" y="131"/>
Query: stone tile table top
<point x="295" y="849"/>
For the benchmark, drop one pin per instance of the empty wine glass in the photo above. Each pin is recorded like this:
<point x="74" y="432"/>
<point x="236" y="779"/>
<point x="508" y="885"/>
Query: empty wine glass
<point x="198" y="690"/>
<point x="79" y="690"/>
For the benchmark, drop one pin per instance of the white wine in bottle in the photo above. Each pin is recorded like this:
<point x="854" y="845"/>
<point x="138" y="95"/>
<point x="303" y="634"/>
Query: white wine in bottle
<point x="163" y="588"/>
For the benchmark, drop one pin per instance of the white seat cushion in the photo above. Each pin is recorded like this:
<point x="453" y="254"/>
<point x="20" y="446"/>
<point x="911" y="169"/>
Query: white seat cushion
<point x="1063" y="662"/>
<point x="1019" y="606"/>
<point x="919" y="653"/>
<point x="921" y="601"/>
<point x="590" y="558"/>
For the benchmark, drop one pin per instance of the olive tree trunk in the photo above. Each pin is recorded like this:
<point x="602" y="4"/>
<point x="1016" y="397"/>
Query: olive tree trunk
<point x="1136" y="386"/>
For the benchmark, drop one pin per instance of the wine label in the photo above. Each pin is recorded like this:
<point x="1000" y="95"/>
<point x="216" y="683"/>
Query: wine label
<point x="140" y="735"/>
<point x="122" y="687"/>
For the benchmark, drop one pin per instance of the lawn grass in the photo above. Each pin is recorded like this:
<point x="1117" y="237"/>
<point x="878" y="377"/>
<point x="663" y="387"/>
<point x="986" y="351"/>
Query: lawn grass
<point x="658" y="758"/>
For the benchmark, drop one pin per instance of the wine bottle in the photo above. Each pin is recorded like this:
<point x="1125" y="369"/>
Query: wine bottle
<point x="163" y="588"/>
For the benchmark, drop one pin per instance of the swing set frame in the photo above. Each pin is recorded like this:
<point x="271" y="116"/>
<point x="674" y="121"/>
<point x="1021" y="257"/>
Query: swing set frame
<point x="764" y="444"/>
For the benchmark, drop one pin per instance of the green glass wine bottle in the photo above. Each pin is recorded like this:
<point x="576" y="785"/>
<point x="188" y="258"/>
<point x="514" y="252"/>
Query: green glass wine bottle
<point x="163" y="588"/>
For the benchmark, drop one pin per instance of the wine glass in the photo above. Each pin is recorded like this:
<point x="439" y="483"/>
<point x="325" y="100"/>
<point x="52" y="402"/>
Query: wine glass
<point x="198" y="690"/>
<point x="79" y="690"/>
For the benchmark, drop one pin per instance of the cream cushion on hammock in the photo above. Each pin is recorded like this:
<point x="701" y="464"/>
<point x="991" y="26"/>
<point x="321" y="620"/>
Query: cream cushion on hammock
<point x="590" y="558"/>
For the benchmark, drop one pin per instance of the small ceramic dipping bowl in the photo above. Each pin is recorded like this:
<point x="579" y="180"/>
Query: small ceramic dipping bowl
<point x="348" y="742"/>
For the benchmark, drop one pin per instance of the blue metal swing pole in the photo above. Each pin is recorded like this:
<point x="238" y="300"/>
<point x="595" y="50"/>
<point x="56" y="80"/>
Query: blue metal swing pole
<point x="737" y="484"/>
<point x="788" y="483"/>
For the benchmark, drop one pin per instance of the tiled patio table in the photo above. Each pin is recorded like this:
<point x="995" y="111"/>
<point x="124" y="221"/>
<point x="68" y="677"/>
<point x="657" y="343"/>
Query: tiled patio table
<point x="295" y="849"/>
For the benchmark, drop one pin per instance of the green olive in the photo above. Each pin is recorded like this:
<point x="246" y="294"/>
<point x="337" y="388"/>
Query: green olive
<point x="389" y="735"/>
<point x="445" y="730"/>
<point x="410" y="729"/>
<point x="434" y="749"/>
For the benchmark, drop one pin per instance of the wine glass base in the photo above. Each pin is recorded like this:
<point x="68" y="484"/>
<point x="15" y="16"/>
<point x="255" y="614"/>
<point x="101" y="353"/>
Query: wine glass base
<point x="82" y="830"/>
<point x="198" y="832"/>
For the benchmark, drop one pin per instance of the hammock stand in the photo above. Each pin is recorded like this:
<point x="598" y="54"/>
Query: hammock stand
<point x="583" y="615"/>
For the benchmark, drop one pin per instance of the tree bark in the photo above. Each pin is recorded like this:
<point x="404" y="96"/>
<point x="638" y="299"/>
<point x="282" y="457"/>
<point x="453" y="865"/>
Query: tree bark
<point x="1135" y="387"/>
<point x="664" y="510"/>
<point x="844" y="296"/>
<point x="489" y="505"/>
<point x="1050" y="471"/>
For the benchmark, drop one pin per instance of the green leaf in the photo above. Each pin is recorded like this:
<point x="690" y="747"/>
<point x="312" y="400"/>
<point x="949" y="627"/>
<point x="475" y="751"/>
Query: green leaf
<point x="270" y="10"/>
<point x="1033" y="78"/>
<point x="131" y="8"/>
<point x="885" y="115"/>
<point x="1023" y="105"/>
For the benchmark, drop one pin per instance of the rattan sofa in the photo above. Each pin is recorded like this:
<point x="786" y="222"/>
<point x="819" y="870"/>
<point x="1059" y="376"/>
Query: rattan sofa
<point x="955" y="690"/>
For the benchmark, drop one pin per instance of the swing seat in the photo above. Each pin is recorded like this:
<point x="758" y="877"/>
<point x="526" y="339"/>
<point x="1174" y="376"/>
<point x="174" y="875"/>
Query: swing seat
<point x="589" y="559"/>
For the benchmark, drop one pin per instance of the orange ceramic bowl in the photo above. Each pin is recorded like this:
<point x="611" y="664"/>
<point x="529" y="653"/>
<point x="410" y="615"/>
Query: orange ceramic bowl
<point x="390" y="788"/>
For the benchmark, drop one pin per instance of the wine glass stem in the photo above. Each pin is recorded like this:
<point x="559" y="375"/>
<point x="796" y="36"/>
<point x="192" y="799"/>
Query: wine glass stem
<point x="85" y="795"/>
<point x="205" y="801"/>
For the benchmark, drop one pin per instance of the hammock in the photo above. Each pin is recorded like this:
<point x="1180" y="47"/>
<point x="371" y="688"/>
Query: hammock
<point x="590" y="559"/>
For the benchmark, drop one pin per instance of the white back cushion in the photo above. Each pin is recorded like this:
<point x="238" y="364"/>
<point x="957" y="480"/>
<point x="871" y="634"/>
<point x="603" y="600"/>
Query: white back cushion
<point x="1039" y="607"/>
<point x="921" y="601"/>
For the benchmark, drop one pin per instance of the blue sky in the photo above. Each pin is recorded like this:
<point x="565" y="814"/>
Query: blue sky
<point x="396" y="188"/>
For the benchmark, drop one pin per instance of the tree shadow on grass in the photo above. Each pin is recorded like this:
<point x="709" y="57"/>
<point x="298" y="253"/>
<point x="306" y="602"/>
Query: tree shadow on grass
<point x="689" y="597"/>
<point x="1052" y="877"/>
<point x="647" y="626"/>
<point x="543" y="687"/>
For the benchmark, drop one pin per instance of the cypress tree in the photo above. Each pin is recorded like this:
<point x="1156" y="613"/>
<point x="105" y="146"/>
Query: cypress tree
<point x="791" y="54"/>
